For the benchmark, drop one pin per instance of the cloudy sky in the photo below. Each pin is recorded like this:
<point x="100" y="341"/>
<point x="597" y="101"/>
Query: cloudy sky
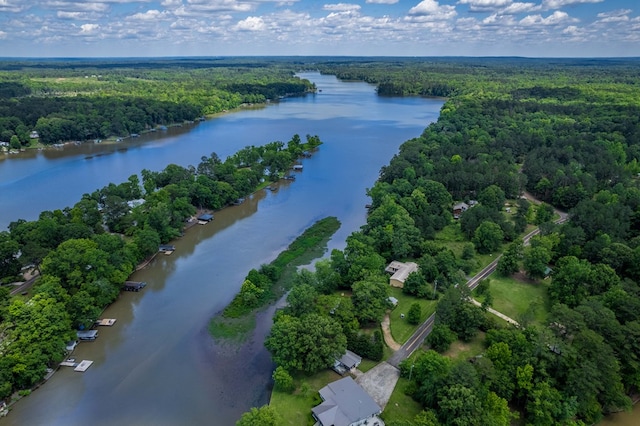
<point x="539" y="28"/>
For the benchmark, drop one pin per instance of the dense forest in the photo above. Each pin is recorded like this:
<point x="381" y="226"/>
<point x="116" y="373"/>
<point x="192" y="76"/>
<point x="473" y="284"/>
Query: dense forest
<point x="78" y="101"/>
<point x="565" y="131"/>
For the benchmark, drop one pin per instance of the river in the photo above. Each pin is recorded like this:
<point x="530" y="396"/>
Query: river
<point x="157" y="365"/>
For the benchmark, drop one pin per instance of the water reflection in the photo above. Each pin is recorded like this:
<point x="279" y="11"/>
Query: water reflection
<point x="157" y="364"/>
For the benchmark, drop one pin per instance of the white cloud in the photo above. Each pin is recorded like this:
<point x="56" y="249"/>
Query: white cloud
<point x="555" y="18"/>
<point x="485" y="5"/>
<point x="220" y="5"/>
<point x="341" y="7"/>
<point x="499" y="20"/>
<point x="12" y="6"/>
<point x="150" y="15"/>
<point x="252" y="23"/>
<point x="3" y="35"/>
<point x="431" y="8"/>
<point x="557" y="4"/>
<point x="89" y="28"/>
<point x="382" y="1"/>
<point x="77" y="6"/>
<point x="619" y="15"/>
<point x="72" y="15"/>
<point x="171" y="3"/>
<point x="518" y="7"/>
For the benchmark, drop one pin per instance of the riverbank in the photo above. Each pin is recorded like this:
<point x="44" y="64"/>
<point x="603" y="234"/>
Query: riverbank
<point x="238" y="319"/>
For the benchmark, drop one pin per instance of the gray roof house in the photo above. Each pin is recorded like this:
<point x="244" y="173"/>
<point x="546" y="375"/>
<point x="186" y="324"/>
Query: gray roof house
<point x="345" y="403"/>
<point x="347" y="362"/>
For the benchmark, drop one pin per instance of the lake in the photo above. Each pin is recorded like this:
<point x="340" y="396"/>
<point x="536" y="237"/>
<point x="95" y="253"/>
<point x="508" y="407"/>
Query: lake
<point x="157" y="365"/>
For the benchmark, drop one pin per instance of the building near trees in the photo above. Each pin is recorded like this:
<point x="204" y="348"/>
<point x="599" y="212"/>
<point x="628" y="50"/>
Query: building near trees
<point x="399" y="272"/>
<point x="345" y="403"/>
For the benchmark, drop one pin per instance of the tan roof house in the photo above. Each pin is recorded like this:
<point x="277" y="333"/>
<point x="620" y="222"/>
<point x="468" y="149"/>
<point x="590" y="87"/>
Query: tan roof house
<point x="399" y="272"/>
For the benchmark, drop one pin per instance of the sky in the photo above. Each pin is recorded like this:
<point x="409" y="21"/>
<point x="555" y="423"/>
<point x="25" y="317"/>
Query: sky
<point x="132" y="28"/>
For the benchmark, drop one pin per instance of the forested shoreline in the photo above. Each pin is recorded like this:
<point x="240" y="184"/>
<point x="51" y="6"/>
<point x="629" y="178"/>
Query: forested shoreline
<point x="567" y="131"/>
<point x="85" y="253"/>
<point x="86" y="100"/>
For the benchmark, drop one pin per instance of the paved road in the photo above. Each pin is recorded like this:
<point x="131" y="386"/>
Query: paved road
<point x="418" y="337"/>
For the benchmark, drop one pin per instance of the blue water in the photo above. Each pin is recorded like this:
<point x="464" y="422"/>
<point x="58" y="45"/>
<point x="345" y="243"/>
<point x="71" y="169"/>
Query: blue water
<point x="157" y="365"/>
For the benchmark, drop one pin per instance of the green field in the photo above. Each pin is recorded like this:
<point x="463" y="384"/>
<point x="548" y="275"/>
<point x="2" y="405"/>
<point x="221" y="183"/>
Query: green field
<point x="401" y="330"/>
<point x="401" y="407"/>
<point x="295" y="408"/>
<point x="515" y="298"/>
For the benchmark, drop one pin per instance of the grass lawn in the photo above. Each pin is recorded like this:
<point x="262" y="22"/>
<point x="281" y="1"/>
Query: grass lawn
<point x="295" y="408"/>
<point x="451" y="236"/>
<point x="401" y="330"/>
<point x="401" y="407"/>
<point x="516" y="297"/>
<point x="461" y="351"/>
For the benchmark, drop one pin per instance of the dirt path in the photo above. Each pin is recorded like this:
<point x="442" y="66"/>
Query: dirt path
<point x="386" y="332"/>
<point x="498" y="314"/>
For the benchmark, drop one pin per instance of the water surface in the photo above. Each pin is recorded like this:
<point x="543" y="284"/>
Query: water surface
<point x="157" y="365"/>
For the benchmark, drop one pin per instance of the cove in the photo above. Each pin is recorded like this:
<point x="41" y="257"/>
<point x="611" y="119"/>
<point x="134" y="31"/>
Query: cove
<point x="157" y="365"/>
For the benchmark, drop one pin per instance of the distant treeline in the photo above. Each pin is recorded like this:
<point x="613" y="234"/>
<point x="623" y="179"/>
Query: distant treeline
<point x="115" y="98"/>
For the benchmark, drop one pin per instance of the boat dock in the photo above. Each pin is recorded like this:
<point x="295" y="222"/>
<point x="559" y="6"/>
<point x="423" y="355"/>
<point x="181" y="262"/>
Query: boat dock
<point x="134" y="285"/>
<point x="81" y="366"/>
<point x="106" y="322"/>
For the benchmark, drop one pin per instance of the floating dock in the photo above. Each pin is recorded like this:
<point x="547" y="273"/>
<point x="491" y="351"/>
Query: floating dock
<point x="83" y="366"/>
<point x="106" y="322"/>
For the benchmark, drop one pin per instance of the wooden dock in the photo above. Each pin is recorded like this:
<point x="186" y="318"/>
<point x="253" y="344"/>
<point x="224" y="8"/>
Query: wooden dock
<point x="106" y="322"/>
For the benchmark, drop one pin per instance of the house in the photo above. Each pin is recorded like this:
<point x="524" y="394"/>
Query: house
<point x="459" y="208"/>
<point x="166" y="248"/>
<point x="345" y="403"/>
<point x="297" y="167"/>
<point x="87" y="335"/>
<point x="347" y="362"/>
<point x="399" y="272"/>
<point x="34" y="135"/>
<point x="205" y="217"/>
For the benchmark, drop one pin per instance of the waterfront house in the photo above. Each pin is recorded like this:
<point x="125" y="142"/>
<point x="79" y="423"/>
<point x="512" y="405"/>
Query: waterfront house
<point x="345" y="403"/>
<point x="399" y="272"/>
<point x="205" y="217"/>
<point x="87" y="335"/>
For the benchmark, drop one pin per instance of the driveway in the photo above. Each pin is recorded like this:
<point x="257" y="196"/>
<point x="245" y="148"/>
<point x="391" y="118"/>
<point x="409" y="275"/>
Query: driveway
<point x="379" y="382"/>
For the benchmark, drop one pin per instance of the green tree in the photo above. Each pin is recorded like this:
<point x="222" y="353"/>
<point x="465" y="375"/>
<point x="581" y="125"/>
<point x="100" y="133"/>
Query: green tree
<point x="310" y="343"/>
<point x="509" y="262"/>
<point x="415" y="313"/>
<point x="488" y="237"/>
<point x="492" y="196"/>
<point x="263" y="416"/>
<point x="282" y="380"/>
<point x="441" y="337"/>
<point x="370" y="299"/>
<point x="536" y="261"/>
<point x="301" y="299"/>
